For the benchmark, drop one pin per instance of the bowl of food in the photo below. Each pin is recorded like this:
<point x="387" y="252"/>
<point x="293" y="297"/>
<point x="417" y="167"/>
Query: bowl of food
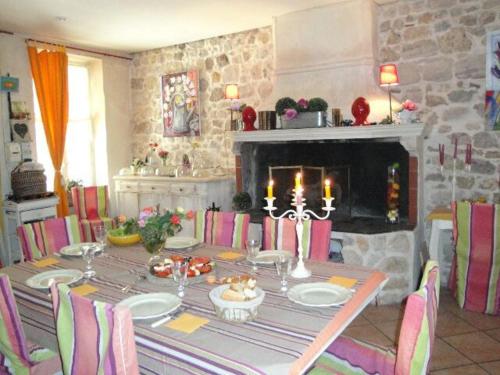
<point x="197" y="266"/>
<point x="119" y="238"/>
<point x="237" y="301"/>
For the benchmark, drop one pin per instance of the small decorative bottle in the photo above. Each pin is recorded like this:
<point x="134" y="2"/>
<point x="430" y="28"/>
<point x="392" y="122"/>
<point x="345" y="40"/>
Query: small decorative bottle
<point x="393" y="191"/>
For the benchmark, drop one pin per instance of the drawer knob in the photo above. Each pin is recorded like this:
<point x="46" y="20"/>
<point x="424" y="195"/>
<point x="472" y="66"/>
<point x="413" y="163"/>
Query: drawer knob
<point x="128" y="186"/>
<point x="181" y="189"/>
<point x="152" y="188"/>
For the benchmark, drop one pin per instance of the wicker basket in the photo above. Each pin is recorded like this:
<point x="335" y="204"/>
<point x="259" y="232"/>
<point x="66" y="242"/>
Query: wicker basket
<point x="28" y="184"/>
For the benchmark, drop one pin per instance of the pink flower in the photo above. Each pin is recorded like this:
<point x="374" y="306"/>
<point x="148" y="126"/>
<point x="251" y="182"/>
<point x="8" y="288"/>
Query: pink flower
<point x="122" y="219"/>
<point x="290" y="113"/>
<point x="176" y="220"/>
<point x="189" y="214"/>
<point x="141" y="223"/>
<point x="302" y="103"/>
<point x="409" y="105"/>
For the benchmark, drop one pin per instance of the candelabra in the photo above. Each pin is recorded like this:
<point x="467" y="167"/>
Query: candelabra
<point x="299" y="215"/>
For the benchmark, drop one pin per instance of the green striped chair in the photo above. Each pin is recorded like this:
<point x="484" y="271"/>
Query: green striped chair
<point x="91" y="205"/>
<point x="416" y="339"/>
<point x="46" y="237"/>
<point x="228" y="229"/>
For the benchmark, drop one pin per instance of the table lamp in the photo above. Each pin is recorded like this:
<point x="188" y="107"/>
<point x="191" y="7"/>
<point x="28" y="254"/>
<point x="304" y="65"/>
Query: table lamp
<point x="231" y="92"/>
<point x="388" y="76"/>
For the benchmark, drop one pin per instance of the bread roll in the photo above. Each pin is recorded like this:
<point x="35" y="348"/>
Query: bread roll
<point x="231" y="295"/>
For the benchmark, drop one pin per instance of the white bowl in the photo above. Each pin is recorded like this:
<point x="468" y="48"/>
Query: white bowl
<point x="235" y="311"/>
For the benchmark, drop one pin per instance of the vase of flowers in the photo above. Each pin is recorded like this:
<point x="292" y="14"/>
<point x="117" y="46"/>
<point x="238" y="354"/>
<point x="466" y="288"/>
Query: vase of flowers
<point x="302" y="113"/>
<point x="151" y="154"/>
<point x="163" y="169"/>
<point x="407" y="113"/>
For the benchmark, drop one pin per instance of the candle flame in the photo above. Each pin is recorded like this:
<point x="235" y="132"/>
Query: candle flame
<point x="327" y="182"/>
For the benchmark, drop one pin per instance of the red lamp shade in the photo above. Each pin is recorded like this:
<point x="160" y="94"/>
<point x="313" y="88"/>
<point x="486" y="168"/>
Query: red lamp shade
<point x="231" y="91"/>
<point x="388" y="75"/>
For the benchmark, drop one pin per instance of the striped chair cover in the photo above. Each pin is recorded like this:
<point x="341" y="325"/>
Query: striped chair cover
<point x="280" y="234"/>
<point x="222" y="228"/>
<point x="416" y="339"/>
<point x="94" y="337"/>
<point x="17" y="355"/>
<point x="474" y="276"/>
<point x="91" y="206"/>
<point x="46" y="237"/>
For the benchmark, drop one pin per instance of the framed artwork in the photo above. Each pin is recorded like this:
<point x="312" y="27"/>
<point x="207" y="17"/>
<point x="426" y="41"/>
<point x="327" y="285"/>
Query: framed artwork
<point x="493" y="61"/>
<point x="180" y="104"/>
<point x="492" y="109"/>
<point x="20" y="130"/>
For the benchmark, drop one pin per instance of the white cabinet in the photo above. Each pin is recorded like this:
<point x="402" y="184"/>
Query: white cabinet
<point x="191" y="193"/>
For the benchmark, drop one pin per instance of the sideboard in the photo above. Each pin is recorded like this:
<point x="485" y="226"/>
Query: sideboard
<point x="133" y="193"/>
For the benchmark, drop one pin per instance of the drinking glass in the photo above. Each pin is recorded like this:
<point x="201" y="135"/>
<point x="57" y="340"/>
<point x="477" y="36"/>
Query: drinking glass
<point x="253" y="248"/>
<point x="100" y="236"/>
<point x="179" y="273"/>
<point x="88" y="254"/>
<point x="284" y="269"/>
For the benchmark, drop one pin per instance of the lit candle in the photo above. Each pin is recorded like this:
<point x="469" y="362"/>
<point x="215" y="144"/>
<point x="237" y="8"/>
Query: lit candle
<point x="328" y="192"/>
<point x="298" y="195"/>
<point x="270" y="189"/>
<point x="298" y="178"/>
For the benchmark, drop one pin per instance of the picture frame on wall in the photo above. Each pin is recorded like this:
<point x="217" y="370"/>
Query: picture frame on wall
<point x="492" y="96"/>
<point x="20" y="130"/>
<point x="180" y="104"/>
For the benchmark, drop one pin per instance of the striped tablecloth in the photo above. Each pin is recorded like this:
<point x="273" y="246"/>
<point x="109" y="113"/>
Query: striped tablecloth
<point x="285" y="337"/>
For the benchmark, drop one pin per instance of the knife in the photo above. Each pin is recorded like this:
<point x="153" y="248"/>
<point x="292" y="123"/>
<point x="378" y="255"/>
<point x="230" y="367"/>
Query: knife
<point x="168" y="317"/>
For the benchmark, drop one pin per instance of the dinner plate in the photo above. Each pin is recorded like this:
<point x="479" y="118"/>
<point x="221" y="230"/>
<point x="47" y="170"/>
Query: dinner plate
<point x="269" y="256"/>
<point x="151" y="305"/>
<point x="179" y="243"/>
<point x="75" y="249"/>
<point x="43" y="280"/>
<point x="319" y="294"/>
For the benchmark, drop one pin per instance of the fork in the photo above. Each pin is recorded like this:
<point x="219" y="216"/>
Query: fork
<point x="127" y="287"/>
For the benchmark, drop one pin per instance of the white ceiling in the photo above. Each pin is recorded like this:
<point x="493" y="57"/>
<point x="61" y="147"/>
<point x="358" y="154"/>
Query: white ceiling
<point x="135" y="25"/>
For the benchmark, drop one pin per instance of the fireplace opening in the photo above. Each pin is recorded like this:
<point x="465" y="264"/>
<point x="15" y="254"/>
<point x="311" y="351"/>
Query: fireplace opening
<point x="357" y="167"/>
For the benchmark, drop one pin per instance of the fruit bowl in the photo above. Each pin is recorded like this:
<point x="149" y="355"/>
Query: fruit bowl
<point x="118" y="239"/>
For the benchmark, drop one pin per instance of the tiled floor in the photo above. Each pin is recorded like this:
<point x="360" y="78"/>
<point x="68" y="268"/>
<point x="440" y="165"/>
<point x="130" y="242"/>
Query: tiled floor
<point x="466" y="342"/>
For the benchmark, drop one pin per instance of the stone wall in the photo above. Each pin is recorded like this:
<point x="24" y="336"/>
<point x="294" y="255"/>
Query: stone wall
<point x="439" y="47"/>
<point x="245" y="58"/>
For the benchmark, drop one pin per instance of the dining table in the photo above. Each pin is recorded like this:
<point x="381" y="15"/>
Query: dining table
<point x="284" y="338"/>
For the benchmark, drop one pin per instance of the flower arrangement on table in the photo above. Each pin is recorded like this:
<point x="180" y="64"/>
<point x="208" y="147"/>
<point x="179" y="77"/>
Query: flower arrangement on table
<point x="126" y="232"/>
<point x="407" y="112"/>
<point x="290" y="108"/>
<point x="163" y="155"/>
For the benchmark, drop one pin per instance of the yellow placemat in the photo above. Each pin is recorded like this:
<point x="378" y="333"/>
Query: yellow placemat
<point x="45" y="262"/>
<point x="187" y="323"/>
<point x="229" y="255"/>
<point x="346" y="282"/>
<point x="84" y="289"/>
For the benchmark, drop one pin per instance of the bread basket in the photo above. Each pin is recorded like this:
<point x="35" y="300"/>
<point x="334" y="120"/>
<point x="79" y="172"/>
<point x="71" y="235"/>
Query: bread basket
<point x="235" y="311"/>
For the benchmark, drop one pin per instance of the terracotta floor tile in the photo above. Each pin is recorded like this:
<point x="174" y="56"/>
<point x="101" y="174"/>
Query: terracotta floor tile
<point x="444" y="356"/>
<point x="477" y="346"/>
<point x="450" y="325"/>
<point x="381" y="314"/>
<point x="390" y="329"/>
<point x="491" y="367"/>
<point x="463" y="370"/>
<point x="479" y="320"/>
<point x="495" y="333"/>
<point x="369" y="334"/>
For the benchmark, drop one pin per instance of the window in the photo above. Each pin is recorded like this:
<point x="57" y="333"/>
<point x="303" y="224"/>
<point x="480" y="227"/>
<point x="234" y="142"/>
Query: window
<point x="79" y="161"/>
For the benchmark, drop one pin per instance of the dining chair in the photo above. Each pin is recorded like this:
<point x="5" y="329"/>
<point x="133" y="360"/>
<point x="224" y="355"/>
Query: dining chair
<point x="281" y="234"/>
<point x="47" y="237"/>
<point x="94" y="337"/>
<point x="91" y="205"/>
<point x="17" y="354"/>
<point x="475" y="271"/>
<point x="222" y="228"/>
<point x="416" y="339"/>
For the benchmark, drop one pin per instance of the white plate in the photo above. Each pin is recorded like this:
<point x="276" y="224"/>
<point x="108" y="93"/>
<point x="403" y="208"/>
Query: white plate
<point x="269" y="256"/>
<point x="319" y="294"/>
<point x="75" y="250"/>
<point x="177" y="243"/>
<point x="151" y="305"/>
<point x="44" y="279"/>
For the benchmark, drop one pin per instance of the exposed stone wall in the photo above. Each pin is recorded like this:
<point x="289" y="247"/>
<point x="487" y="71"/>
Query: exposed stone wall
<point x="245" y="58"/>
<point x="439" y="46"/>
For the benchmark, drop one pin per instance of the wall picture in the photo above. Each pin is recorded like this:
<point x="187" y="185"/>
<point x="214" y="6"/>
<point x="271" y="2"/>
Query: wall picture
<point x="20" y="130"/>
<point x="493" y="61"/>
<point x="180" y="104"/>
<point x="492" y="110"/>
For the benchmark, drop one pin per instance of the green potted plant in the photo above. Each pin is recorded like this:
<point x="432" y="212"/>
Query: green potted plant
<point x="69" y="185"/>
<point x="242" y="201"/>
<point x="302" y="113"/>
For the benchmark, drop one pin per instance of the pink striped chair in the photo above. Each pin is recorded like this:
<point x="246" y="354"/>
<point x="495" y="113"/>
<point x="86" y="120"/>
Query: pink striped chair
<point x="222" y="228"/>
<point x="281" y="235"/>
<point x="91" y="206"/>
<point x="94" y="337"/>
<point x="46" y="237"/>
<point x="17" y="354"/>
<point x="416" y="339"/>
<point x="475" y="272"/>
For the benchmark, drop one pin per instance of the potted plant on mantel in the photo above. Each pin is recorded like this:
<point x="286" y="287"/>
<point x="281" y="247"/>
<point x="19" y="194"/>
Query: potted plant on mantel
<point x="301" y="114"/>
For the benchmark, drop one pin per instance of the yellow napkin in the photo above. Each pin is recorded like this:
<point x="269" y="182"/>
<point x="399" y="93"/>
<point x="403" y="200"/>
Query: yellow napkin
<point x="187" y="323"/>
<point x="84" y="289"/>
<point x="346" y="282"/>
<point x="229" y="255"/>
<point x="45" y="262"/>
<point x="439" y="213"/>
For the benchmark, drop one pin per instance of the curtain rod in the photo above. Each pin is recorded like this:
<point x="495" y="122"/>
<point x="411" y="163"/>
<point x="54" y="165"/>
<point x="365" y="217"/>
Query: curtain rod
<point x="81" y="49"/>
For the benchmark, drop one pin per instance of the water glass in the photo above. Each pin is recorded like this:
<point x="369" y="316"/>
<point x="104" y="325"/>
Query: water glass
<point x="100" y="235"/>
<point x="179" y="273"/>
<point x="253" y="248"/>
<point x="88" y="254"/>
<point x="284" y="269"/>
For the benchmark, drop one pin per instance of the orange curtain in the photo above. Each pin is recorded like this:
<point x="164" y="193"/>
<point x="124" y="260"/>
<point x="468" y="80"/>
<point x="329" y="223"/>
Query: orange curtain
<point x="50" y="74"/>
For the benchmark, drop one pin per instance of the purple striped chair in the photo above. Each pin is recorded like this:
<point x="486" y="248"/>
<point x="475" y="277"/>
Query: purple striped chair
<point x="94" y="337"/>
<point x="222" y="228"/>
<point x="280" y="234"/>
<point x="475" y="273"/>
<point x="18" y="355"/>
<point x="91" y="206"/>
<point x="46" y="237"/>
<point x="416" y="339"/>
